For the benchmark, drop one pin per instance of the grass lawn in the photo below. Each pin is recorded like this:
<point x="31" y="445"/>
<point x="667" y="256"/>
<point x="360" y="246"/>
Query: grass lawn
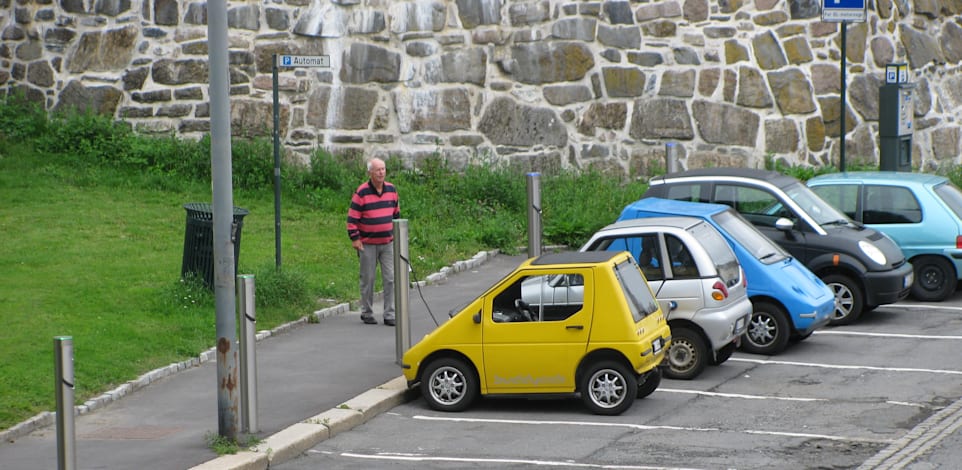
<point x="98" y="258"/>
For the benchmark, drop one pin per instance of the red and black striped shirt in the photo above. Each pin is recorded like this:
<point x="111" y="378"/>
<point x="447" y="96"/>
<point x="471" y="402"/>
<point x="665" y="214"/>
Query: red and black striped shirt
<point x="371" y="216"/>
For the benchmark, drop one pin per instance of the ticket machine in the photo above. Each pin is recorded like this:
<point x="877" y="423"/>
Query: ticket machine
<point x="895" y="115"/>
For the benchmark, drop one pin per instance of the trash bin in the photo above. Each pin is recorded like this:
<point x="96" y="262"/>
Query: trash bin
<point x="199" y="241"/>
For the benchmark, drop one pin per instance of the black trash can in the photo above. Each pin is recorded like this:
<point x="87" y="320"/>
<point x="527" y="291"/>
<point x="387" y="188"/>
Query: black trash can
<point x="199" y="241"/>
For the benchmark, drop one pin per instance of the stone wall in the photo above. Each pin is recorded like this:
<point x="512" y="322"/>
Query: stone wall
<point x="541" y="84"/>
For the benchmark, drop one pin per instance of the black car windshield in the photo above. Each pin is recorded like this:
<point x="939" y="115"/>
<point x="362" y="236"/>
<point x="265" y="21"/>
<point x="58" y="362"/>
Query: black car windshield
<point x="816" y="207"/>
<point x="756" y="243"/>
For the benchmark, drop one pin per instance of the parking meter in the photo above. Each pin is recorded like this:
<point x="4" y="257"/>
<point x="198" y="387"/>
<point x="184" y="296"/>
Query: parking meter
<point x="896" y="111"/>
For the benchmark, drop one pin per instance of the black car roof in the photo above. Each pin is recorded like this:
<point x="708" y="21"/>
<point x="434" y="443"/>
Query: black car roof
<point x="571" y="257"/>
<point x="774" y="177"/>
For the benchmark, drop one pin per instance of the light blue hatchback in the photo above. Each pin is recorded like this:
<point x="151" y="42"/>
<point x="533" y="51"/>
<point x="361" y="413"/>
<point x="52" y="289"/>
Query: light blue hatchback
<point x="787" y="299"/>
<point x="921" y="212"/>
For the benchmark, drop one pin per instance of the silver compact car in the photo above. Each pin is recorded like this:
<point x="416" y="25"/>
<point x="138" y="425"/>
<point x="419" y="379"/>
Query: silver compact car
<point x="695" y="275"/>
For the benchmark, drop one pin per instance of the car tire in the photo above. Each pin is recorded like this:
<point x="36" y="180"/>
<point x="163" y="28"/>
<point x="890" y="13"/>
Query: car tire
<point x="608" y="388"/>
<point x="649" y="382"/>
<point x="849" y="301"/>
<point x="687" y="355"/>
<point x="449" y="384"/>
<point x="935" y="279"/>
<point x="724" y="353"/>
<point x="768" y="330"/>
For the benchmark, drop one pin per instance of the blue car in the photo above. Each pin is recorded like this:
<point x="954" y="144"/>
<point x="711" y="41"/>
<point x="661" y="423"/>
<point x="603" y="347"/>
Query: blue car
<point x="788" y="300"/>
<point x="921" y="212"/>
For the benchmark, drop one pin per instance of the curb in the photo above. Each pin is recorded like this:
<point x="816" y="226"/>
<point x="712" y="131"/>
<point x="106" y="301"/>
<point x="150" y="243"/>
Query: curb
<point x="299" y="437"/>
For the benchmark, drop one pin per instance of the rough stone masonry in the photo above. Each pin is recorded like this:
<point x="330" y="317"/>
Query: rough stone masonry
<point x="540" y="84"/>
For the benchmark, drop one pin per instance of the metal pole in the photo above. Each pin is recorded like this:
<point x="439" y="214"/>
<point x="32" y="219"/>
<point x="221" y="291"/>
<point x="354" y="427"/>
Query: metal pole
<point x="277" y="169"/>
<point x="228" y="399"/>
<point x="534" y="214"/>
<point x="841" y="133"/>
<point x="64" y="387"/>
<point x="402" y="287"/>
<point x="248" y="353"/>
<point x="671" y="157"/>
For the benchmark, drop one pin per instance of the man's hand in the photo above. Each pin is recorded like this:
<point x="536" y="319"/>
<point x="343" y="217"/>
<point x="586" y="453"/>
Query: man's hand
<point x="357" y="245"/>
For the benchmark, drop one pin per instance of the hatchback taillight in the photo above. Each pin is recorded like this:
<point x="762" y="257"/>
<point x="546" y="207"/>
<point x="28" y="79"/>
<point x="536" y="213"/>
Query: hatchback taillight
<point x="958" y="242"/>
<point x="719" y="291"/>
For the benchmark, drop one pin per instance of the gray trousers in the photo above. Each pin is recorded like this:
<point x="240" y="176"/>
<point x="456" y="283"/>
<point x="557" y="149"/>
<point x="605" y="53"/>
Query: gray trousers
<point x="372" y="256"/>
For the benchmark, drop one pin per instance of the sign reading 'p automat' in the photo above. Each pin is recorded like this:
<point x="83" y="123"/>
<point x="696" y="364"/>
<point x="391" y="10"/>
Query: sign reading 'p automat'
<point x="305" y="61"/>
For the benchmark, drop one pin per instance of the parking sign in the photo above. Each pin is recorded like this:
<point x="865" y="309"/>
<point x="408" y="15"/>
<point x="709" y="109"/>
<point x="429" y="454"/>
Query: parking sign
<point x="305" y="61"/>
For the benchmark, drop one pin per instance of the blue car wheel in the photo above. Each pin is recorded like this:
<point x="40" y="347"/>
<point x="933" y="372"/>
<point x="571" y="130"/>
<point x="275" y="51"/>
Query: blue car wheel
<point x="768" y="330"/>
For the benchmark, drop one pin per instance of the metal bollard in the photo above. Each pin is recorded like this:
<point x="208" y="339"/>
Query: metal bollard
<point x="402" y="287"/>
<point x="63" y="369"/>
<point x="534" y="214"/>
<point x="672" y="165"/>
<point x="248" y="355"/>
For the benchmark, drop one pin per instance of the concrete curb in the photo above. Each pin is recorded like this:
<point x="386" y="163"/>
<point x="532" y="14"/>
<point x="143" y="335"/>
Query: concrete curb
<point x="299" y="437"/>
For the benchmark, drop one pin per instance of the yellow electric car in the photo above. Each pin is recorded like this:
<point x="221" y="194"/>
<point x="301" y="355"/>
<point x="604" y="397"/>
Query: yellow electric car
<point x="563" y="323"/>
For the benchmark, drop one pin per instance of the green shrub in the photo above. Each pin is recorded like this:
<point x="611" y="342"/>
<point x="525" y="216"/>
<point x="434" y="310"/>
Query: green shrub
<point x="286" y="287"/>
<point x="21" y="119"/>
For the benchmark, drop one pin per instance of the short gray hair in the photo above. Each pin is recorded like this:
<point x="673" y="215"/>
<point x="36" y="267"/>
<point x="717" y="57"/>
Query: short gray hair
<point x="370" y="162"/>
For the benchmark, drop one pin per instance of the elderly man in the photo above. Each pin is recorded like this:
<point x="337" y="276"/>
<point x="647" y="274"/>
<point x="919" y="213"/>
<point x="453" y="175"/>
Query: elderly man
<point x="370" y="225"/>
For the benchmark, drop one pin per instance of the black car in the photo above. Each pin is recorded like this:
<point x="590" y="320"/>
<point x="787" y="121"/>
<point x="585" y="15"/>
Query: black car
<point x="864" y="267"/>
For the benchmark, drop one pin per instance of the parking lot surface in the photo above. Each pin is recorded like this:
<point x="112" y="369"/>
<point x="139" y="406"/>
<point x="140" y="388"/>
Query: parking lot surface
<point x="847" y="396"/>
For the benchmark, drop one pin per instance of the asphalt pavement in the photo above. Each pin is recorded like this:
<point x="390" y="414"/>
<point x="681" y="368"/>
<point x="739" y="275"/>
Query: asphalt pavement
<point x="315" y="380"/>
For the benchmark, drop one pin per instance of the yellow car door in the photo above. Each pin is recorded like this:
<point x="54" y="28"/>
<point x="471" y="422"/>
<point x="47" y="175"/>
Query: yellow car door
<point x="536" y="331"/>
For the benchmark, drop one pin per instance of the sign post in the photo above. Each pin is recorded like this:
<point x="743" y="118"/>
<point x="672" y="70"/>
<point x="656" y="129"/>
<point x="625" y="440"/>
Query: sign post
<point x="285" y="61"/>
<point x="845" y="12"/>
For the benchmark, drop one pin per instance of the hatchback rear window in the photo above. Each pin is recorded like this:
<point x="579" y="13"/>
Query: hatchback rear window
<point x="951" y="196"/>
<point x="636" y="290"/>
<point x="725" y="262"/>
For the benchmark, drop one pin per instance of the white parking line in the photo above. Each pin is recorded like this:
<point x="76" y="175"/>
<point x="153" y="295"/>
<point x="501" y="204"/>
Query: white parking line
<point x="735" y="395"/>
<point x="646" y="427"/>
<point x="923" y="306"/>
<point x="540" y="463"/>
<point x="884" y="335"/>
<point x="837" y="366"/>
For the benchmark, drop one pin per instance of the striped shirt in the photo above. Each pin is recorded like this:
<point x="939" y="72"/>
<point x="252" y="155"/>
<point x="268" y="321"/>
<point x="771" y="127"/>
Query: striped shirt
<point x="371" y="216"/>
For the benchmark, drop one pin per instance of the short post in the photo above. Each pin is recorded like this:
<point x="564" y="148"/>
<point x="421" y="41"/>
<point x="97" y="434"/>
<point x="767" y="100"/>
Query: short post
<point x="248" y="355"/>
<point x="671" y="158"/>
<point x="63" y="369"/>
<point x="402" y="287"/>
<point x="534" y="214"/>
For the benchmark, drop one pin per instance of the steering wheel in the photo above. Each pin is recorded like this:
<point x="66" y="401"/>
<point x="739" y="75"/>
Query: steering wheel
<point x="524" y="309"/>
